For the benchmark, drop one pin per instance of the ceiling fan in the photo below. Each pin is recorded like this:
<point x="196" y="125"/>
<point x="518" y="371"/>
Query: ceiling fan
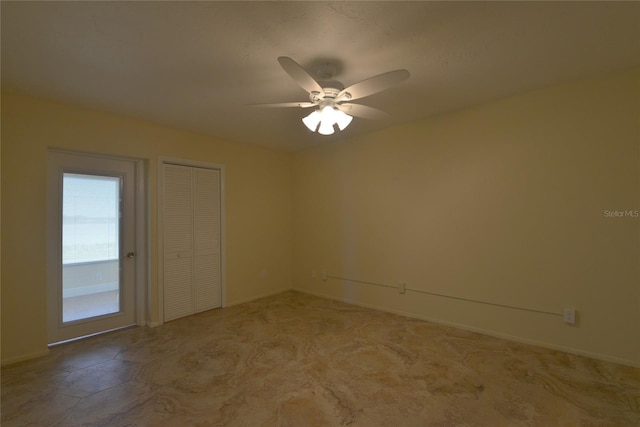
<point x="332" y="100"/>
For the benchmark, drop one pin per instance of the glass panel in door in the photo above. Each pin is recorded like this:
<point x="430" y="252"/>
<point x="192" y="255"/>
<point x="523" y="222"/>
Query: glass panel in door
<point x="90" y="246"/>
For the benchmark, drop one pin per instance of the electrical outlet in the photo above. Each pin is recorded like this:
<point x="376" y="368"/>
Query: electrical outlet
<point x="324" y="276"/>
<point x="569" y="316"/>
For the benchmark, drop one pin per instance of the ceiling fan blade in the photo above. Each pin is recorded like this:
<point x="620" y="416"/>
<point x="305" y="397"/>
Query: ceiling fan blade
<point x="362" y="111"/>
<point x="374" y="84"/>
<point x="299" y="74"/>
<point x="286" y="104"/>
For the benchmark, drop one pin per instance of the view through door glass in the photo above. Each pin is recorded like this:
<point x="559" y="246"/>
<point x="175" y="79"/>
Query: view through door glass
<point x="90" y="246"/>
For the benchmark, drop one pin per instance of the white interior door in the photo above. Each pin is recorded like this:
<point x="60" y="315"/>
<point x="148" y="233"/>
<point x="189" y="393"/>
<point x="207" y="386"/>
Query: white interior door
<point x="91" y="238"/>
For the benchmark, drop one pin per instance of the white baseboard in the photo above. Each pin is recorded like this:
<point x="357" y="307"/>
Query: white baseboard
<point x="155" y="324"/>
<point x="24" y="357"/>
<point x="253" y="298"/>
<point x="543" y="344"/>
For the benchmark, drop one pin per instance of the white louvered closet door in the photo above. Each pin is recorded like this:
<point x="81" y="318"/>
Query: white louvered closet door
<point x="191" y="240"/>
<point x="206" y="239"/>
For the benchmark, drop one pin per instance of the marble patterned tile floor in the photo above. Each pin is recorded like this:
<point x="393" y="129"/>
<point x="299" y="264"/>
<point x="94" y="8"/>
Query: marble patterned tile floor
<point x="298" y="360"/>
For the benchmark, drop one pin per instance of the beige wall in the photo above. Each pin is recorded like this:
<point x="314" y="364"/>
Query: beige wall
<point x="501" y="203"/>
<point x="258" y="206"/>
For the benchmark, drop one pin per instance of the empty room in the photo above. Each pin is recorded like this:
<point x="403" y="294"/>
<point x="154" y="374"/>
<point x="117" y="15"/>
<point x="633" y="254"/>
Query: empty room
<point x="320" y="213"/>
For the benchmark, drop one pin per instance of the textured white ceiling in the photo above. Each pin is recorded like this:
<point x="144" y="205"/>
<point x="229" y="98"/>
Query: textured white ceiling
<point x="197" y="65"/>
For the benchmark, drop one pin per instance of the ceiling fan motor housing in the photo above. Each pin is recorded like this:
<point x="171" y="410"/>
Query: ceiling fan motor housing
<point x="331" y="89"/>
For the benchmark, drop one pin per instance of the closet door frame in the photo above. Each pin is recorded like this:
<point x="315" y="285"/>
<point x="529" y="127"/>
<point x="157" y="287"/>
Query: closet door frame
<point x="160" y="203"/>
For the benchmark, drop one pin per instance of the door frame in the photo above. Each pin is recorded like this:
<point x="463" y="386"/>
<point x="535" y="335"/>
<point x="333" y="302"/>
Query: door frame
<point x="160" y="202"/>
<point x="141" y="203"/>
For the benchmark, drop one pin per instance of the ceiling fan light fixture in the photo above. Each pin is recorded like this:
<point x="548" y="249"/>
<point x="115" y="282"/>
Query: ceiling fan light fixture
<point x="326" y="118"/>
<point x="326" y="128"/>
<point x="343" y="119"/>
<point x="312" y="120"/>
<point x="329" y="115"/>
